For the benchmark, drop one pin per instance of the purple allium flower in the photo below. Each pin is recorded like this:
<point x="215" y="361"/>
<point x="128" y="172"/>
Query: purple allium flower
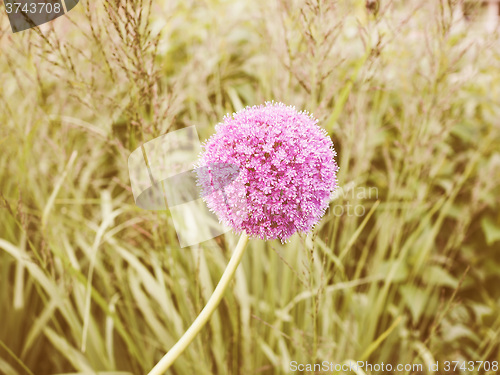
<point x="286" y="166"/>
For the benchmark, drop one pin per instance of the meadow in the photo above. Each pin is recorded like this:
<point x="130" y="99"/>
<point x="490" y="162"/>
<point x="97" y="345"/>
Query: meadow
<point x="404" y="268"/>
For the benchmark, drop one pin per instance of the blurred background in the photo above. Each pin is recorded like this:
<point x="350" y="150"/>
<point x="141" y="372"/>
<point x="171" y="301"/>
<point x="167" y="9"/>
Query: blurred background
<point x="403" y="268"/>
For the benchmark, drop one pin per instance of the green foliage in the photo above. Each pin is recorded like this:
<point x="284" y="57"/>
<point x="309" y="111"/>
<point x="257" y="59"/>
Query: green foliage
<point x="92" y="284"/>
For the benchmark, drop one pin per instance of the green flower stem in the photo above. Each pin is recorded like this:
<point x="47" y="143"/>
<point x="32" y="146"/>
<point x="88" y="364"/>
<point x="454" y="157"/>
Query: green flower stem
<point x="207" y="311"/>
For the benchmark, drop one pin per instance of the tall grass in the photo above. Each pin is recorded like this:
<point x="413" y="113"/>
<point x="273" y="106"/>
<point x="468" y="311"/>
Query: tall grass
<point x="409" y="93"/>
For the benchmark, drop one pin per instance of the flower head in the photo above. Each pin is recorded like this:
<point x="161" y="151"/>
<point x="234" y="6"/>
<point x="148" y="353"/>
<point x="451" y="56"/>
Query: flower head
<point x="285" y="171"/>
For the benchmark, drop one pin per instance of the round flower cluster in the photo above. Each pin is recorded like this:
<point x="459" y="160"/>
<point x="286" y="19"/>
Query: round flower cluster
<point x="269" y="170"/>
